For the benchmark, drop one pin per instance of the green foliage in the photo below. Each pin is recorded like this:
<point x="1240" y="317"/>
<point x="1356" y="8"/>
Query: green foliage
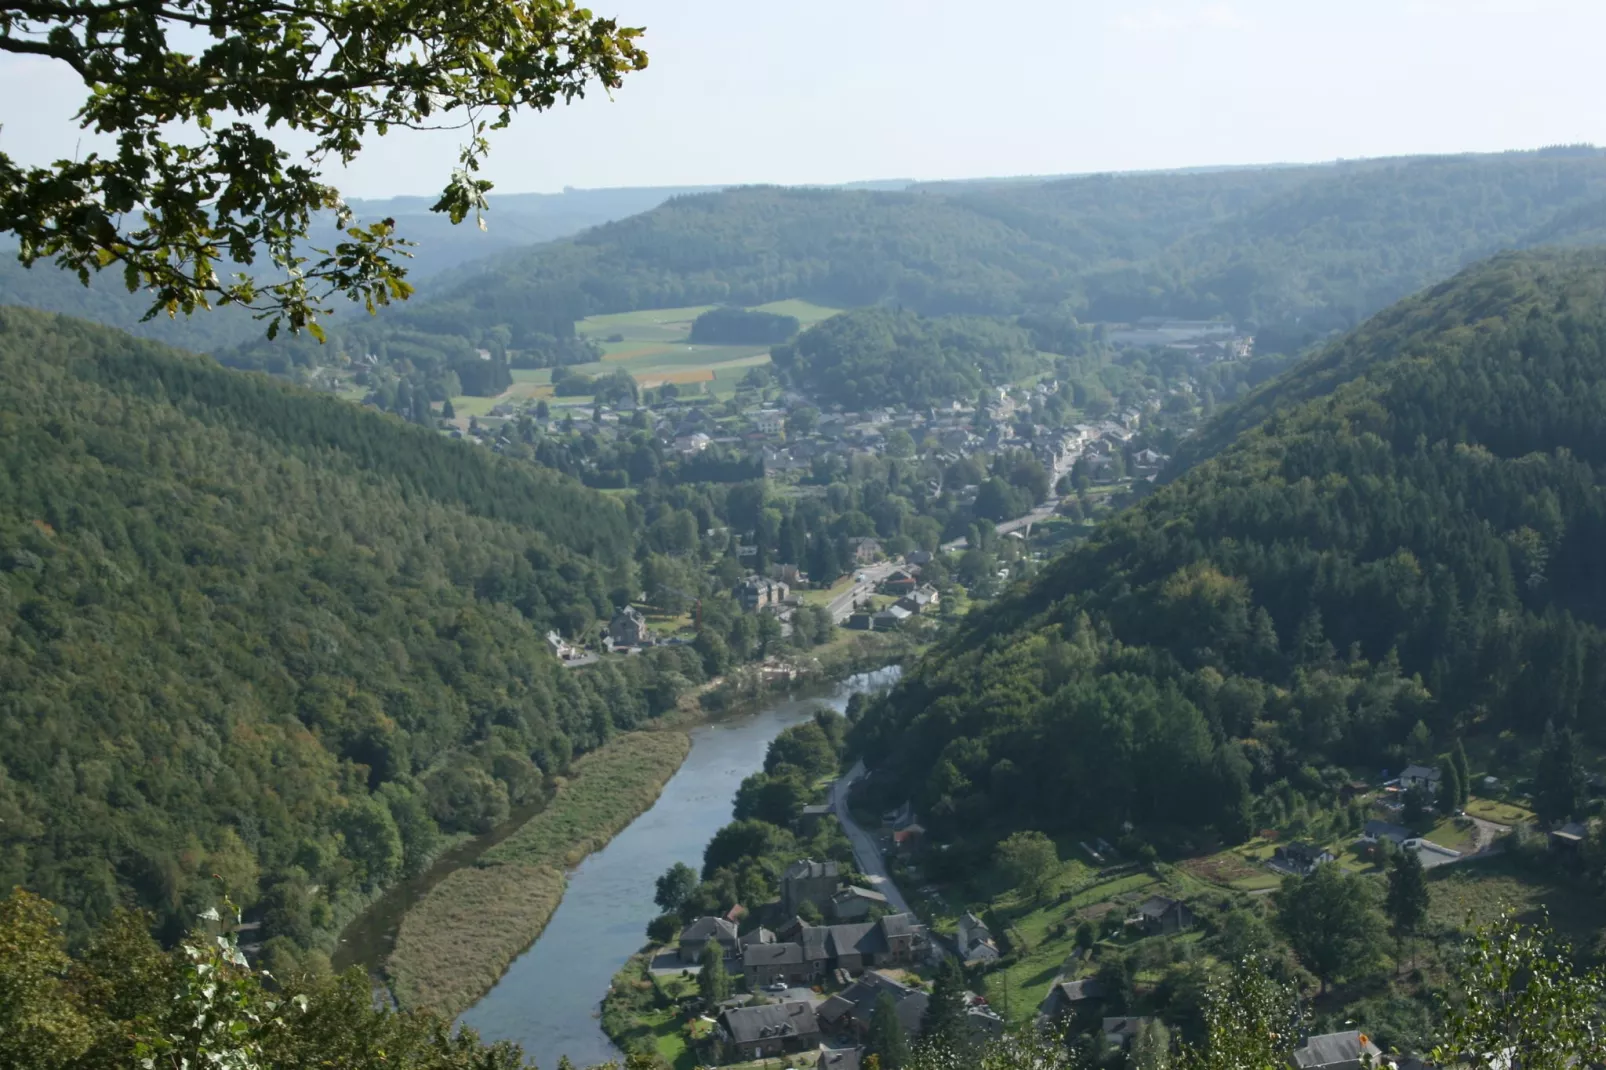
<point x="893" y="356"/>
<point x="1029" y="860"/>
<point x="1525" y="1001"/>
<point x="741" y="327"/>
<point x="678" y="882"/>
<point x="1450" y="786"/>
<point x="1559" y="781"/>
<point x="1332" y="921"/>
<point x="230" y="191"/>
<point x="254" y="632"/>
<point x="712" y="981"/>
<point x="885" y="1039"/>
<point x="1367" y="560"/>
<point x="125" y="1002"/>
<point x="1407" y="899"/>
<point x="1251" y="1023"/>
<point x="944" y="1025"/>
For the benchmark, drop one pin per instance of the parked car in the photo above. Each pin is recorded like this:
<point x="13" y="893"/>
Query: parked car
<point x="778" y="986"/>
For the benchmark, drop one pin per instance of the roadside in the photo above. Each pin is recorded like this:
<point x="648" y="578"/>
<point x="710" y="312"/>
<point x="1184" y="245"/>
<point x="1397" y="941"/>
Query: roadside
<point x="866" y="852"/>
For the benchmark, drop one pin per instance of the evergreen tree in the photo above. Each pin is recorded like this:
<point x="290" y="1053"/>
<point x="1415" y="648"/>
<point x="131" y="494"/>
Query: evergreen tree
<point x="447" y="411"/>
<point x="1559" y="792"/>
<point x="886" y="1040"/>
<point x="713" y="982"/>
<point x="1407" y="899"/>
<point x="1463" y="772"/>
<point x="1415" y="809"/>
<point x="1449" y="797"/>
<point x="943" y="1027"/>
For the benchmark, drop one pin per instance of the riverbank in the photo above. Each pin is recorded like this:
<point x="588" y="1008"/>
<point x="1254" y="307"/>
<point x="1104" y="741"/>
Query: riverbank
<point x="455" y="944"/>
<point x="469" y="922"/>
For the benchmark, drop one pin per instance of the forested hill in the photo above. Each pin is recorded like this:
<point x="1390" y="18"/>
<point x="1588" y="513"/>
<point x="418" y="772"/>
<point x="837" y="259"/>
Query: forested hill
<point x="1442" y="316"/>
<point x="257" y="633"/>
<point x="1295" y="251"/>
<point x="1420" y="543"/>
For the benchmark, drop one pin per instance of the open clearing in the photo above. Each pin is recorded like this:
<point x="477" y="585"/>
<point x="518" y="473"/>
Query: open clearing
<point x="652" y="345"/>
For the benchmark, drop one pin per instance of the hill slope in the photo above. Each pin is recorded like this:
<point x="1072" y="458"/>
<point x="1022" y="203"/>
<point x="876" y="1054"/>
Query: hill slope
<point x="1413" y="537"/>
<point x="250" y="631"/>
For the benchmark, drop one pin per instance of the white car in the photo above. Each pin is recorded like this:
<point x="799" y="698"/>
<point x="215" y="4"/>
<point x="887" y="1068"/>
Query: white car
<point x="778" y="986"/>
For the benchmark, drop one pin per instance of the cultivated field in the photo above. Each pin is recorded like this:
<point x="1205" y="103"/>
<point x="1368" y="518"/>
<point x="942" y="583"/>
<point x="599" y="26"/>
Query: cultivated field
<point x="652" y="346"/>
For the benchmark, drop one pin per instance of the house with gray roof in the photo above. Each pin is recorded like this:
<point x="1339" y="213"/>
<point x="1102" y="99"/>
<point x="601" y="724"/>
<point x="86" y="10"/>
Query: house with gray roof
<point x="748" y="1033"/>
<point x="695" y="937"/>
<point x="851" y="1008"/>
<point x="1068" y="996"/>
<point x="1335" y="1051"/>
<point x="808" y="881"/>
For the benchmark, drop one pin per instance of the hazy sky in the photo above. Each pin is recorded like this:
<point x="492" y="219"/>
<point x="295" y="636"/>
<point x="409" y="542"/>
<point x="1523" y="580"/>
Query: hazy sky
<point x="836" y="90"/>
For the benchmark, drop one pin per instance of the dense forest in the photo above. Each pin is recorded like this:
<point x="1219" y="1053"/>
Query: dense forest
<point x="878" y="356"/>
<point x="255" y="635"/>
<point x="1407" y="551"/>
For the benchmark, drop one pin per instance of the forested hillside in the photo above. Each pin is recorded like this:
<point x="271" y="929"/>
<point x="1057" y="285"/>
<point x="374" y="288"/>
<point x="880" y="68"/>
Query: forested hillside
<point x="255" y="635"/>
<point x="1298" y="250"/>
<point x="879" y="356"/>
<point x="1413" y="538"/>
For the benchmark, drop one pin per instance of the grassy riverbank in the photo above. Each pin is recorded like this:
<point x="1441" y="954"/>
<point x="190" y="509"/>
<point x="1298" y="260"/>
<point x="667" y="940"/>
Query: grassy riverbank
<point x="454" y="945"/>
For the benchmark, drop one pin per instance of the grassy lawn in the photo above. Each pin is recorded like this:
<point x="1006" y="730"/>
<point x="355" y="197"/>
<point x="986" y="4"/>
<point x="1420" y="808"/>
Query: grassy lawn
<point x="1448" y="834"/>
<point x="1230" y="869"/>
<point x="823" y="596"/>
<point x="1501" y="813"/>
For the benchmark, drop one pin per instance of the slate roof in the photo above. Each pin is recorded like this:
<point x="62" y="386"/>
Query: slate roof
<point x="747" y="1025"/>
<point x="855" y="892"/>
<point x="759" y="935"/>
<point x="1332" y="1050"/>
<point x="1077" y="991"/>
<point x="898" y="925"/>
<point x="1416" y="772"/>
<point x="1156" y="907"/>
<point x="839" y="1059"/>
<point x="772" y="955"/>
<point x="709" y="928"/>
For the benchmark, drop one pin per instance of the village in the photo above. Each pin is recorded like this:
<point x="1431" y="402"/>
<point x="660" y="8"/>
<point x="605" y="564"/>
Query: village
<point x="1094" y="949"/>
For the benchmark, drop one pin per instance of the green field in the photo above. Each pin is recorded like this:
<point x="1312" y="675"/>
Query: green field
<point x="652" y="346"/>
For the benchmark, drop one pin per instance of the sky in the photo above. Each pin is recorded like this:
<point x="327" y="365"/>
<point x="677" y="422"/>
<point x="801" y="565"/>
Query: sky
<point x="828" y="91"/>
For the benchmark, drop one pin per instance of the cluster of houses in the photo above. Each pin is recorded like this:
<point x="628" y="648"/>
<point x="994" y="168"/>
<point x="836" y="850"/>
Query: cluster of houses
<point x="913" y="599"/>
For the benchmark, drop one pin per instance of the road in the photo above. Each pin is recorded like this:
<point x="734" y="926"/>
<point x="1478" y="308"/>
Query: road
<point x="1036" y="516"/>
<point x="865" y="849"/>
<point x="841" y="606"/>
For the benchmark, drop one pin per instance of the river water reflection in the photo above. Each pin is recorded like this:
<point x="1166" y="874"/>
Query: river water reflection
<point x="549" y="998"/>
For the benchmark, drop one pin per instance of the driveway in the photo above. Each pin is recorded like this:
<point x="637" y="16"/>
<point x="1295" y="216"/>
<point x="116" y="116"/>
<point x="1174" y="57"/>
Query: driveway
<point x="865" y="849"/>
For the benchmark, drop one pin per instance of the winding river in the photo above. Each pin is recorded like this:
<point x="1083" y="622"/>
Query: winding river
<point x="549" y="998"/>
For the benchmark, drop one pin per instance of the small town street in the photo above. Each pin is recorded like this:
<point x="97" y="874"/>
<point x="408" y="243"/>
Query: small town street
<point x="865" y="849"/>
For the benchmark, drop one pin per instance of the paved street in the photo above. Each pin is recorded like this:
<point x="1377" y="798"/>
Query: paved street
<point x="865" y="849"/>
<point x="841" y="606"/>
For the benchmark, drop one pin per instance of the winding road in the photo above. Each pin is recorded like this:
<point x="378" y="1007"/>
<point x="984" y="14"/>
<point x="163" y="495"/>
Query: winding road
<point x="865" y="850"/>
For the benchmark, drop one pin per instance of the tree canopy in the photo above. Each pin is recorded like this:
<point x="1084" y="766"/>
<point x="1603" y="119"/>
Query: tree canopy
<point x="175" y="215"/>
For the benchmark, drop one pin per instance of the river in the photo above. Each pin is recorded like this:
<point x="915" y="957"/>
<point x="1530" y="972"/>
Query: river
<point x="548" y="1000"/>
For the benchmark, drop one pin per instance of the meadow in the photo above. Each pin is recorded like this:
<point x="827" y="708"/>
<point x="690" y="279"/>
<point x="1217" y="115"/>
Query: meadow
<point x="455" y="944"/>
<point x="652" y="346"/>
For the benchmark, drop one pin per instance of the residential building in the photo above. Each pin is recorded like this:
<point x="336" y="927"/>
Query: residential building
<point x="1302" y="858"/>
<point x="1373" y="831"/>
<point x="770" y="421"/>
<point x="889" y="618"/>
<point x="695" y="937"/>
<point x="629" y="628"/>
<point x="855" y="904"/>
<point x="764" y="964"/>
<point x="893" y="940"/>
<point x="901" y="581"/>
<point x="749" y="1033"/>
<point x="1422" y="777"/>
<point x="976" y="943"/>
<point x="756" y="592"/>
<point x="865" y="550"/>
<point x="852" y="1008"/>
<point x="1336" y="1051"/>
<point x="920" y="599"/>
<point x="1569" y="838"/>
<point x="1162" y="916"/>
<point x="807" y="881"/>
<point x="1068" y="996"/>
